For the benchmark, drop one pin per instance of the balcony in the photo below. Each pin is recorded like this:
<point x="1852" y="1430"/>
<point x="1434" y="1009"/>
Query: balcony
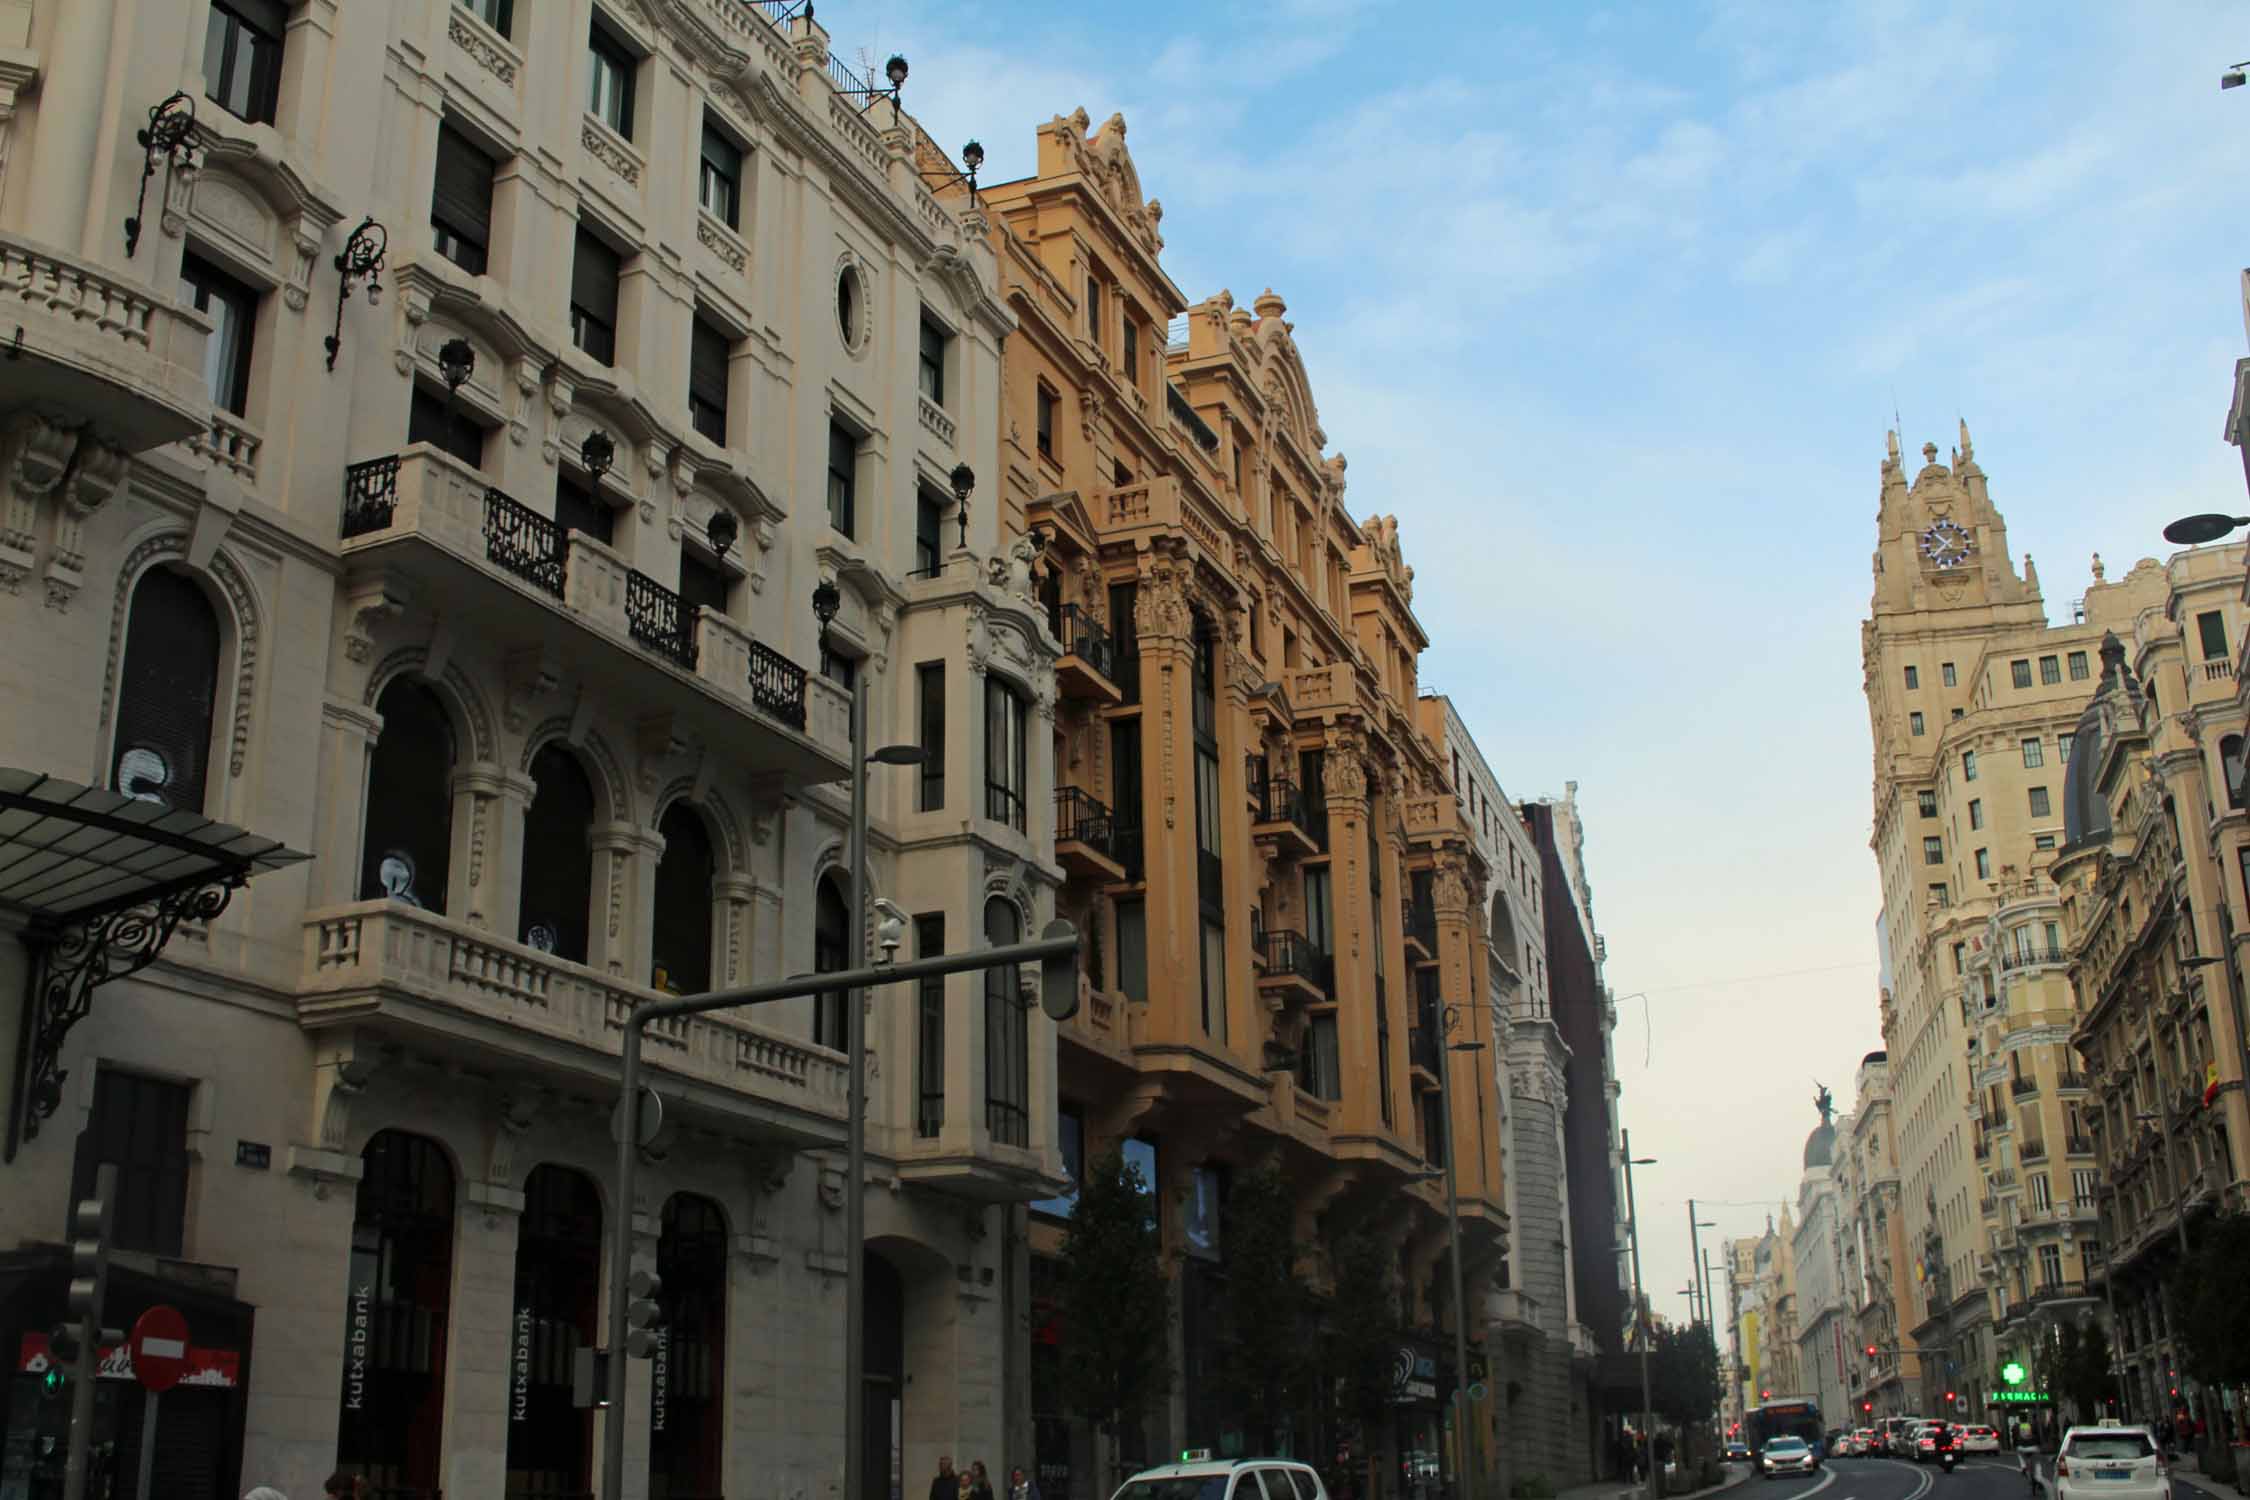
<point x="1280" y="815"/>
<point x="1421" y="931"/>
<point x="2023" y="1087"/>
<point x="2030" y="955"/>
<point x="2072" y="1083"/>
<point x="420" y="526"/>
<point x="1422" y="1052"/>
<point x="2078" y="1145"/>
<point x="1087" y="669"/>
<point x="2034" y="1151"/>
<point x="1086" y="837"/>
<point x="1295" y="971"/>
<point x="440" y="987"/>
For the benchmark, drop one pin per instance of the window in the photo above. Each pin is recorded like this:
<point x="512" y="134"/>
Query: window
<point x="461" y="202"/>
<point x="167" y="692"/>
<point x="708" y="351"/>
<point x="2211" y="631"/>
<point x="2043" y="842"/>
<point x="686" y="874"/>
<point x="704" y="583"/>
<point x="1959" y="950"/>
<point x="2078" y="666"/>
<point x="1319" y="1064"/>
<point x="929" y="534"/>
<point x="593" y="297"/>
<point x="1094" y="310"/>
<point x="929" y="691"/>
<point x="402" y="1253"/>
<point x="1132" y="360"/>
<point x="408" y="831"/>
<point x="610" y="81"/>
<point x="843" y="476"/>
<point x="433" y="419"/>
<point x="1945" y="674"/>
<point x="718" y="181"/>
<point x="2063" y="742"/>
<point x="2042" y="1195"/>
<point x="1957" y="713"/>
<point x="497" y="14"/>
<point x="2083" y="1186"/>
<point x="832" y="952"/>
<point x="1006" y="754"/>
<point x="139" y="1125"/>
<point x="558" y="856"/>
<point x="1046" y="422"/>
<point x="1913" y="679"/>
<point x="840" y="668"/>
<point x="1925" y="803"/>
<point x="1984" y="864"/>
<point x="931" y="365"/>
<point x="929" y="1031"/>
<point x="1933" y="851"/>
<point x="2050" y="1267"/>
<point x="2050" y="670"/>
<point x="554" y="1305"/>
<point x="1125" y="793"/>
<point x="2053" y="933"/>
<point x="2034" y="754"/>
<point x="1214" y="965"/>
<point x="1007" y="1035"/>
<point x="1976" y="813"/>
<point x="1939" y="895"/>
<point x="233" y="311"/>
<point x="1914" y="723"/>
<point x="1968" y="765"/>
<point x="2020" y="672"/>
<point x="2040" y="807"/>
<point x="579" y="509"/>
<point x="1132" y="948"/>
<point x="2230" y="768"/>
<point x="242" y="57"/>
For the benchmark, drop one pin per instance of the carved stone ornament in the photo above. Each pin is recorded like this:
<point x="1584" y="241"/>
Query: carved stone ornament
<point x="1160" y="606"/>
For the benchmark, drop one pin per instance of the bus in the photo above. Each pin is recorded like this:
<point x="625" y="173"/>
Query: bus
<point x="1787" y="1416"/>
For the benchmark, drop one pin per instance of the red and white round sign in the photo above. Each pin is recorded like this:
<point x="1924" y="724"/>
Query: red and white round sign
<point x="160" y="1348"/>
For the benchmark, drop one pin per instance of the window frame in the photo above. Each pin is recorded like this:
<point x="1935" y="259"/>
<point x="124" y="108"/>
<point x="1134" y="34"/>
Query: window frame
<point x="210" y="284"/>
<point x="1044" y="432"/>
<point x="2050" y="670"/>
<point x="934" y="345"/>
<point x="2034" y="753"/>
<point x="2206" y="623"/>
<point x="497" y="16"/>
<point x="465" y="245"/>
<point x="844" y="443"/>
<point x="2077" y="664"/>
<point x="2042" y="805"/>
<point x="262" y="93"/>
<point x="607" y="54"/>
<point x="2019" y="672"/>
<point x="1007" y="750"/>
<point x="1914" y="724"/>
<point x="930" y="728"/>
<point x="707" y="406"/>
<point x="720" y="176"/>
<point x="150" y="1213"/>
<point x="588" y="328"/>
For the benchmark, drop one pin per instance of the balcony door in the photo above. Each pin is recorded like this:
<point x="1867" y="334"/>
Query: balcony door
<point x="409" y="831"/>
<point x="557" y="1287"/>
<point x="558" y="855"/>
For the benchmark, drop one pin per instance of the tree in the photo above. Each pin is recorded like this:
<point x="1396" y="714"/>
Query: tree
<point x="1684" y="1375"/>
<point x="2209" y="1312"/>
<point x="1262" y="1370"/>
<point x="1360" y="1331"/>
<point x="1115" y="1300"/>
<point x="2085" y="1378"/>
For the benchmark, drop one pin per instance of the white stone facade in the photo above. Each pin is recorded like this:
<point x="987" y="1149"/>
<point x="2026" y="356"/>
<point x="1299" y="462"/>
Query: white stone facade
<point x="657" y="653"/>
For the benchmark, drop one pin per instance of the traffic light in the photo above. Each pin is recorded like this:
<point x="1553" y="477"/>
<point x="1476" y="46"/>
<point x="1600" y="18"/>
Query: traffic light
<point x="1058" y="977"/>
<point x="89" y="1254"/>
<point x="1866" y="1406"/>
<point x="1870" y="1351"/>
<point x="1950" y="1396"/>
<point x="62" y="1345"/>
<point x="642" y="1314"/>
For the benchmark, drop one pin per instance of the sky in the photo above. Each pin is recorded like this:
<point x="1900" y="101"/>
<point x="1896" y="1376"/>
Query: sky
<point x="1612" y="306"/>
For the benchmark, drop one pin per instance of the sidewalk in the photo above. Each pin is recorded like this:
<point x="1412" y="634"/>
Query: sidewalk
<point x="1614" y="1489"/>
<point x="2188" y="1472"/>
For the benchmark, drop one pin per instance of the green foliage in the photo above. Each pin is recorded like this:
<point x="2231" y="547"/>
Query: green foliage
<point x="1684" y="1375"/>
<point x="1360" y="1329"/>
<point x="2209" y="1312"/>
<point x="1263" y="1370"/>
<point x="1115" y="1299"/>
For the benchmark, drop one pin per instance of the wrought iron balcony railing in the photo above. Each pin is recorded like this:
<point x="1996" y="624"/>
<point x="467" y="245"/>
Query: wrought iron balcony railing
<point x="1083" y="637"/>
<point x="2024" y="958"/>
<point x="2019" y="1087"/>
<point x="1085" y="819"/>
<point x="1292" y="953"/>
<point x="777" y="685"/>
<point x="370" y="495"/>
<point x="659" y="619"/>
<point x="519" y="540"/>
<point x="1421" y="923"/>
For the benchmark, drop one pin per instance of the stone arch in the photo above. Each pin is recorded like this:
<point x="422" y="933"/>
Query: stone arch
<point x="472" y="716"/>
<point x="1503" y="932"/>
<point x="241" y="618"/>
<point x="718" y="819"/>
<point x="1009" y="884"/>
<point x="609" y="780"/>
<point x="258" y="209"/>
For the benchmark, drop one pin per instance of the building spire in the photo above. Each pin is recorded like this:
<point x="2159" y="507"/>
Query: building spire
<point x="1968" y="452"/>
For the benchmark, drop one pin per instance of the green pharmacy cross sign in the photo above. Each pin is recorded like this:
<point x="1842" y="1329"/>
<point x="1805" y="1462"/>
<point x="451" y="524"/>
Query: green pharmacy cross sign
<point x="2012" y="1373"/>
<point x="2019" y="1398"/>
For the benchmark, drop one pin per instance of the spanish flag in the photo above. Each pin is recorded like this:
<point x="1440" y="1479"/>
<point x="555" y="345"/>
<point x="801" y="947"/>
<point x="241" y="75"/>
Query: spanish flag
<point x="2210" y="1083"/>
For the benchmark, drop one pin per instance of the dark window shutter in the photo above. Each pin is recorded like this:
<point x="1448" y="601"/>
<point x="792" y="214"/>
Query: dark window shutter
<point x="577" y="509"/>
<point x="432" y="419"/>
<point x="462" y="201"/>
<point x="702" y="584"/>
<point x="707" y="365"/>
<point x="593" y="278"/>
<point x="140" y="1125"/>
<point x="168" y="692"/>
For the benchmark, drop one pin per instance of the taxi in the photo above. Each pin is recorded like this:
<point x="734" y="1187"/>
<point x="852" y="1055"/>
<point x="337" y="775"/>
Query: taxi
<point x="1199" y="1476"/>
<point x="2110" y="1463"/>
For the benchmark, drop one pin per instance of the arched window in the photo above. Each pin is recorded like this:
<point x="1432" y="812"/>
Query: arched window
<point x="558" y="855"/>
<point x="687" y="1415"/>
<point x="167" y="692"/>
<point x="393" y="1398"/>
<point x="1007" y="1035"/>
<point x="882" y="1343"/>
<point x="2230" y="766"/>
<point x="832" y="927"/>
<point x="682" y="937"/>
<point x="409" y="831"/>
<point x="558" y="1279"/>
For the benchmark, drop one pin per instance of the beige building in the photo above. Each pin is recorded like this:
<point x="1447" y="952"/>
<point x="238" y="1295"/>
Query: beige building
<point x="1886" y="1381"/>
<point x="491" y="595"/>
<point x="1972" y="698"/>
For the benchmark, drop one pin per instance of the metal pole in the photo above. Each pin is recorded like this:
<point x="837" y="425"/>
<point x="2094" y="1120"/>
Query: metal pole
<point x="82" y="1372"/>
<point x="621" y="1256"/>
<point x="1695" y="1259"/>
<point x="148" y="1443"/>
<point x="855" y="1123"/>
<point x="1467" y="1471"/>
<point x="1640" y="1327"/>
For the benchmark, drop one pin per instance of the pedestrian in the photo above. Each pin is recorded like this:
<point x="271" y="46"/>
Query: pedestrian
<point x="980" y="1483"/>
<point x="1021" y="1486"/>
<point x="343" y="1486"/>
<point x="947" y="1485"/>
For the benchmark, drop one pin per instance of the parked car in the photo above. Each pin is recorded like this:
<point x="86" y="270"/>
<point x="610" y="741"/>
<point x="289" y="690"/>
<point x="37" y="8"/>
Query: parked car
<point x="1789" y="1455"/>
<point x="2117" y="1463"/>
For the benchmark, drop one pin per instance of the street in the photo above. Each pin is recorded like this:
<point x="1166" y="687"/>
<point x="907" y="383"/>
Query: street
<point x="1981" y="1478"/>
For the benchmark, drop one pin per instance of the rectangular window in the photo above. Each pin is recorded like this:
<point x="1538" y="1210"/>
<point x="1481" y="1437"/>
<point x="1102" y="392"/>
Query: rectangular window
<point x="1094" y="310"/>
<point x="1125" y="639"/>
<point x="841" y="669"/>
<point x="2043" y="842"/>
<point x="497" y="14"/>
<point x="931" y="368"/>
<point x="2063" y="742"/>
<point x="2052" y="931"/>
<point x="1046" y="422"/>
<point x="1320" y="1065"/>
<point x="1945" y="674"/>
<point x="2050" y="1267"/>
<point x="2034" y="754"/>
<point x="1968" y="765"/>
<point x="929" y="1030"/>
<point x="461" y="202"/>
<point x="1320" y="929"/>
<point x="434" y="420"/>
<point x="139" y="1125"/>
<point x="1959" y="950"/>
<point x="1007" y="765"/>
<point x="1984" y="864"/>
<point x="233" y="311"/>
<point x="704" y="584"/>
<point x="1914" y="723"/>
<point x="610" y="81"/>
<point x="1215" y="978"/>
<point x="1913" y="679"/>
<point x="242" y="57"/>
<point x="2078" y="671"/>
<point x="1939" y="895"/>
<point x="2020" y="672"/>
<point x="2042" y="1195"/>
<point x="2050" y="670"/>
<point x="929" y="534"/>
<point x="2211" y="632"/>
<point x="709" y="350"/>
<point x="1132" y="360"/>
<point x="843" y="476"/>
<point x="1132" y="948"/>
<point x="577" y="508"/>
<point x="1925" y="803"/>
<point x="593" y="297"/>
<point x="2083" y="1186"/>
<point x="929" y="690"/>
<point x="2039" y="804"/>
<point x="1933" y="851"/>
<point x="1976" y="812"/>
<point x="1125" y="793"/>
<point x="718" y="180"/>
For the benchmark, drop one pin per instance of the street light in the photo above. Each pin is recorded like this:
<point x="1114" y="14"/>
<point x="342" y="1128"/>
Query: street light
<point x="1633" y="1234"/>
<point x="2194" y="531"/>
<point x="1467" y="1471"/>
<point x="2233" y="77"/>
<point x="826" y="600"/>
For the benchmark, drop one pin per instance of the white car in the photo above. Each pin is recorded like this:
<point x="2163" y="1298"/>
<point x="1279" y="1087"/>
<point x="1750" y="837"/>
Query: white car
<point x="1205" y="1478"/>
<point x="2114" y="1463"/>
<point x="1977" y="1440"/>
<point x="1786" y="1455"/>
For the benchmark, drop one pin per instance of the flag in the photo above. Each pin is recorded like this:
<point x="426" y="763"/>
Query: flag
<point x="2210" y="1083"/>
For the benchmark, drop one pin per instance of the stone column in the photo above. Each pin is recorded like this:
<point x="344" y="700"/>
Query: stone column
<point x="625" y="859"/>
<point x="484" y="886"/>
<point x="734" y="898"/>
<point x="294" y="1405"/>
<point x="479" y="1339"/>
<point x="1167" y="665"/>
<point x="347" y="743"/>
<point x="638" y="1375"/>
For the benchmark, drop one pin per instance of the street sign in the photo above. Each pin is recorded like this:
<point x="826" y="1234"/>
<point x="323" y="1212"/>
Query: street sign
<point x="1476" y="1390"/>
<point x="160" y="1348"/>
<point x="651" y="1118"/>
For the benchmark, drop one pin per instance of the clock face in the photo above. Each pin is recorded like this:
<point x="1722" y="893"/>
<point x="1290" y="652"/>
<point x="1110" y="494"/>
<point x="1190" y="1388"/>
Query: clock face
<point x="1946" y="545"/>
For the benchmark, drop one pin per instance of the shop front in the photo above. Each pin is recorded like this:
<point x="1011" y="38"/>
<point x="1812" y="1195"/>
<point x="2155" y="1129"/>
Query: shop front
<point x="199" y="1422"/>
<point x="1421" y="1467"/>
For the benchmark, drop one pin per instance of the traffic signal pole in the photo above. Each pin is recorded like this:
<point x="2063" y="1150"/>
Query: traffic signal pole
<point x="89" y="1282"/>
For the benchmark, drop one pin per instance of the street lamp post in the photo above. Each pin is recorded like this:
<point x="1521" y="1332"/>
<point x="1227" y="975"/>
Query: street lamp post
<point x="1640" y="1321"/>
<point x="1468" y="1476"/>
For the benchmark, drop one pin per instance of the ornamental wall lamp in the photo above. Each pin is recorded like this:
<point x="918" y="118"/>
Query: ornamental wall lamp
<point x="457" y="361"/>
<point x="598" y="453"/>
<point x="169" y="134"/>
<point x="894" y="70"/>
<point x="723" y="529"/>
<point x="361" y="259"/>
<point x="964" y="480"/>
<point x="972" y="158"/>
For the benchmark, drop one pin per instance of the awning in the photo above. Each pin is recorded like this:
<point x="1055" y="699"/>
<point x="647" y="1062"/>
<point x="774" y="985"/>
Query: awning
<point x="103" y="880"/>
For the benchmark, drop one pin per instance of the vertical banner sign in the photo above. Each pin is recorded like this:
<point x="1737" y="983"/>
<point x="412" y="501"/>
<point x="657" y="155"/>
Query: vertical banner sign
<point x="358" y="1334"/>
<point x="519" y="1405"/>
<point x="660" y="1378"/>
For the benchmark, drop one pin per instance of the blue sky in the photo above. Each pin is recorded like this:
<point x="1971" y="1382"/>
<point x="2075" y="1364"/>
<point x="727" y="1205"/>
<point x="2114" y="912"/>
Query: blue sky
<point x="1612" y="306"/>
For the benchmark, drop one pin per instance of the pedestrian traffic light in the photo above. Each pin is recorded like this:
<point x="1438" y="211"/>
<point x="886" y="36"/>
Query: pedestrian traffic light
<point x="62" y="1345"/>
<point x="52" y="1382"/>
<point x="642" y="1314"/>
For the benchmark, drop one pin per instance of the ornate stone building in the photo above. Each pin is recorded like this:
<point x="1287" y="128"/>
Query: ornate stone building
<point x="1817" y="1252"/>
<point x="1886" y="1382"/>
<point x="491" y="594"/>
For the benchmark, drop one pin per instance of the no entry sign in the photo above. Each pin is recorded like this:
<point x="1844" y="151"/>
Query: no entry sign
<point x="160" y="1348"/>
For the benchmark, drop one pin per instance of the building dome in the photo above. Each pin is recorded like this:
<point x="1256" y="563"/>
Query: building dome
<point x="1820" y="1146"/>
<point x="2085" y="809"/>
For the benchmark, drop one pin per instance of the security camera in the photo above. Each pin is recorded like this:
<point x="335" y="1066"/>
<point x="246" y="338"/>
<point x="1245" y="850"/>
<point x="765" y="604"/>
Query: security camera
<point x="890" y="932"/>
<point x="2231" y="79"/>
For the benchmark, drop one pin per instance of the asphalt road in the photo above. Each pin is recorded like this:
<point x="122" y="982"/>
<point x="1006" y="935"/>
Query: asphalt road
<point x="1979" y="1478"/>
